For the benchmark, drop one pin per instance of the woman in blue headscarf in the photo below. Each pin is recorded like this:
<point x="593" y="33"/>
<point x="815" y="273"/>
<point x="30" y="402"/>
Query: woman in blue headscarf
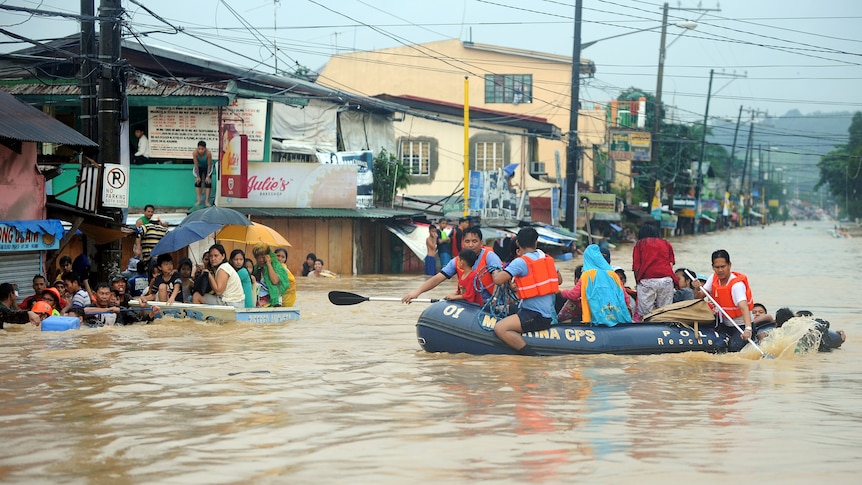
<point x="602" y="295"/>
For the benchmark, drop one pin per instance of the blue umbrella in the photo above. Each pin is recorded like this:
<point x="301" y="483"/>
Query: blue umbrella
<point x="510" y="169"/>
<point x="182" y="236"/>
<point x="217" y="215"/>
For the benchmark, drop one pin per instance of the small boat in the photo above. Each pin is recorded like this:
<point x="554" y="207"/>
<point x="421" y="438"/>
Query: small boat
<point x="219" y="313"/>
<point x="459" y="327"/>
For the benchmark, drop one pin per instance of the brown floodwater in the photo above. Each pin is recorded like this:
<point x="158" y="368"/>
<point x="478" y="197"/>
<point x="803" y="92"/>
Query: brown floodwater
<point x="346" y="395"/>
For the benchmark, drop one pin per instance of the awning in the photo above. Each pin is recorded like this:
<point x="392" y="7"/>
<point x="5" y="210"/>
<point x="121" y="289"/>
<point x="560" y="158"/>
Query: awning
<point x="413" y="236"/>
<point x="548" y="235"/>
<point x="100" y="229"/>
<point x="606" y="216"/>
<point x="374" y="213"/>
<point x="639" y="214"/>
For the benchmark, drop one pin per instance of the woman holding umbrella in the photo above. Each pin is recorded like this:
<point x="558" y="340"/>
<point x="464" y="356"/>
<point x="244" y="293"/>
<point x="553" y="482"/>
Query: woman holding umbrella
<point x="225" y="282"/>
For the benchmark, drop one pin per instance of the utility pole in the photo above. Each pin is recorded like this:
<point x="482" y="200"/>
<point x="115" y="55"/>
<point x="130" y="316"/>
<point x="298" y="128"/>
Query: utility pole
<point x="111" y="75"/>
<point x="656" y="132"/>
<point x="573" y="148"/>
<point x="733" y="150"/>
<point x="88" y="75"/>
<point x="658" y="86"/>
<point x="699" y="186"/>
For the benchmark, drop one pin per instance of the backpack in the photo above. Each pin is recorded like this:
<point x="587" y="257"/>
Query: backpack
<point x="686" y="311"/>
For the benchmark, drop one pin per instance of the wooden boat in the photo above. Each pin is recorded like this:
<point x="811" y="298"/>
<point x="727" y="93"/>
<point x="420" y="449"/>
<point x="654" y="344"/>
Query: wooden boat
<point x="218" y="313"/>
<point x="459" y="327"/>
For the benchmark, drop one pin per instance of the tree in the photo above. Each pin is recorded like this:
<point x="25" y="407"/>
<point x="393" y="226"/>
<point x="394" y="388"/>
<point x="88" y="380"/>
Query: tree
<point x="390" y="175"/>
<point x="841" y="170"/>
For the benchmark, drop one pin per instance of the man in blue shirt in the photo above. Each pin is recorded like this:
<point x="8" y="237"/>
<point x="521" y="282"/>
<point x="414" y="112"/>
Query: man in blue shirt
<point x="537" y="280"/>
<point x="487" y="258"/>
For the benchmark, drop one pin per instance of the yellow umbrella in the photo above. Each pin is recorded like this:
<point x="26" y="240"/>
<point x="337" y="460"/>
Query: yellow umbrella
<point x="253" y="234"/>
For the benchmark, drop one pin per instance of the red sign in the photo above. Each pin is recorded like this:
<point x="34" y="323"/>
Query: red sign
<point x="234" y="163"/>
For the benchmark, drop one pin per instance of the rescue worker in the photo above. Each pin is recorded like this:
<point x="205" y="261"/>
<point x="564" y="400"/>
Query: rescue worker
<point x="487" y="259"/>
<point x="733" y="293"/>
<point x="537" y="281"/>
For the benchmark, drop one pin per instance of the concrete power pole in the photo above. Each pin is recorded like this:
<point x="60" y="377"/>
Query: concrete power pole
<point x="88" y="74"/>
<point x="573" y="148"/>
<point x="111" y="93"/>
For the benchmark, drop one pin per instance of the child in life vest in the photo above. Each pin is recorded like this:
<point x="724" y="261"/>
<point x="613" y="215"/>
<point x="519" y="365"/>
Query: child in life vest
<point x="467" y="284"/>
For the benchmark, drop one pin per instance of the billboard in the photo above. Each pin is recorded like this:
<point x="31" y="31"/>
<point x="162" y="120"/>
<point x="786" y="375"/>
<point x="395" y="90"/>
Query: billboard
<point x="297" y="185"/>
<point x="630" y="145"/>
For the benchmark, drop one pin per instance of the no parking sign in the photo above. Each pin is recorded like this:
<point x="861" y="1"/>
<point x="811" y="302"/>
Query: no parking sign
<point x="115" y="186"/>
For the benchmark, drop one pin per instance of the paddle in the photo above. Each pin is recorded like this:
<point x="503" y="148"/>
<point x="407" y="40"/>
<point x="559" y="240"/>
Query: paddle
<point x="706" y="295"/>
<point x="345" y="298"/>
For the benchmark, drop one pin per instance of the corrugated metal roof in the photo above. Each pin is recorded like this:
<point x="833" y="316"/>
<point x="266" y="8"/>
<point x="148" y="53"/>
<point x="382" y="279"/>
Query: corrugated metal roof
<point x="182" y="88"/>
<point x="332" y="213"/>
<point x="164" y="88"/>
<point x="23" y="122"/>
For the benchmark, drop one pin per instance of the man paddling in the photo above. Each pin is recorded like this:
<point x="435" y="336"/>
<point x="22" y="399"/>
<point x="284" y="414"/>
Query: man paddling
<point x="732" y="291"/>
<point x="487" y="259"/>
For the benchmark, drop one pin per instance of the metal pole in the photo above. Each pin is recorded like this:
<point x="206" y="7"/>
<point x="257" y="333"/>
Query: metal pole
<point x="573" y="149"/>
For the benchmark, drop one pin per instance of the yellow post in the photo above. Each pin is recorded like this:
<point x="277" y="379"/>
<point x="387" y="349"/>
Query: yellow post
<point x="466" y="146"/>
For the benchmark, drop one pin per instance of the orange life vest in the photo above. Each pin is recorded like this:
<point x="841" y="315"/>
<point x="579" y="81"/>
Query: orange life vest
<point x="541" y="278"/>
<point x="723" y="294"/>
<point x="486" y="279"/>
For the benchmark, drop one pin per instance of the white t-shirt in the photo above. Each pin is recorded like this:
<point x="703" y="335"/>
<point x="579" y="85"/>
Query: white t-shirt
<point x="233" y="292"/>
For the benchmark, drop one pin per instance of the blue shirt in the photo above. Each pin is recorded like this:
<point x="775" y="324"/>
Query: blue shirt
<point x="493" y="261"/>
<point x="544" y="305"/>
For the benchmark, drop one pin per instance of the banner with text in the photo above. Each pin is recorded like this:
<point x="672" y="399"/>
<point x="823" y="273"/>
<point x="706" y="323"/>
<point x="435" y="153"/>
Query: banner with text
<point x="174" y="131"/>
<point x="297" y="185"/>
<point x="630" y="145"/>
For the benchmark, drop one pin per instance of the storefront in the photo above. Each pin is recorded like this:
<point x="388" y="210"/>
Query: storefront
<point x="22" y="246"/>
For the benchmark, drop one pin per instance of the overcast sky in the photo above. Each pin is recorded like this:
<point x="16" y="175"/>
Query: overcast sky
<point x="792" y="54"/>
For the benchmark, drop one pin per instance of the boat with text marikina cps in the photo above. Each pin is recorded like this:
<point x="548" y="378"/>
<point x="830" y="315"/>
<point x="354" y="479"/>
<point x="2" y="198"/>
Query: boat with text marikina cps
<point x="459" y="327"/>
<point x="219" y="313"/>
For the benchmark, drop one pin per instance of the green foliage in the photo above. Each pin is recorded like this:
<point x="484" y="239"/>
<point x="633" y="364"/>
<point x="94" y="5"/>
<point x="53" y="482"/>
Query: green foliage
<point x="841" y="170"/>
<point x="390" y="175"/>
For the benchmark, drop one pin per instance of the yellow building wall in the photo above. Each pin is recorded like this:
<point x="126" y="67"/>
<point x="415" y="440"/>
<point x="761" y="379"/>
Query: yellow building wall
<point x="436" y="71"/>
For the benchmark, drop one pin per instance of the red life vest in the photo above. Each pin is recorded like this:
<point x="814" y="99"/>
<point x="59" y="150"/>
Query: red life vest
<point x="486" y="279"/>
<point x="541" y="278"/>
<point x="723" y="294"/>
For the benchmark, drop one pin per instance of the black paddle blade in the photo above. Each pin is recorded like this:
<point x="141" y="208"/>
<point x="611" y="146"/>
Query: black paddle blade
<point x="345" y="298"/>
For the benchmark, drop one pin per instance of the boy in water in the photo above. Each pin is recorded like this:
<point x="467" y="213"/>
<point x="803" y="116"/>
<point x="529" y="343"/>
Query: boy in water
<point x="467" y="283"/>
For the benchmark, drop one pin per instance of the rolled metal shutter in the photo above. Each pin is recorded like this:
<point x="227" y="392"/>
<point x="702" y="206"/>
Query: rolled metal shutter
<point x="20" y="268"/>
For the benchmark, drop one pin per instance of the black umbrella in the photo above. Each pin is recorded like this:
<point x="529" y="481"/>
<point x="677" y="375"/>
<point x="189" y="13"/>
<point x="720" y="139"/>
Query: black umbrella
<point x="218" y="215"/>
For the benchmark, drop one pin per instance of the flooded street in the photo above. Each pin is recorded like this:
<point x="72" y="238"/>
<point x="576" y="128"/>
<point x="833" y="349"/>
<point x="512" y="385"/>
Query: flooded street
<point x="346" y="395"/>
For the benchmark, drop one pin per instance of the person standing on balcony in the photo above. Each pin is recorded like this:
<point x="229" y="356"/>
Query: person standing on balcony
<point x="203" y="170"/>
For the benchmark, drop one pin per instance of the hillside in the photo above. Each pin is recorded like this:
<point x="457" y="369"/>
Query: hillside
<point x="793" y="142"/>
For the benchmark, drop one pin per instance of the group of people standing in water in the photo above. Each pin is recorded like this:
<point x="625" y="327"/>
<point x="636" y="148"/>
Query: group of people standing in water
<point x="599" y="296"/>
